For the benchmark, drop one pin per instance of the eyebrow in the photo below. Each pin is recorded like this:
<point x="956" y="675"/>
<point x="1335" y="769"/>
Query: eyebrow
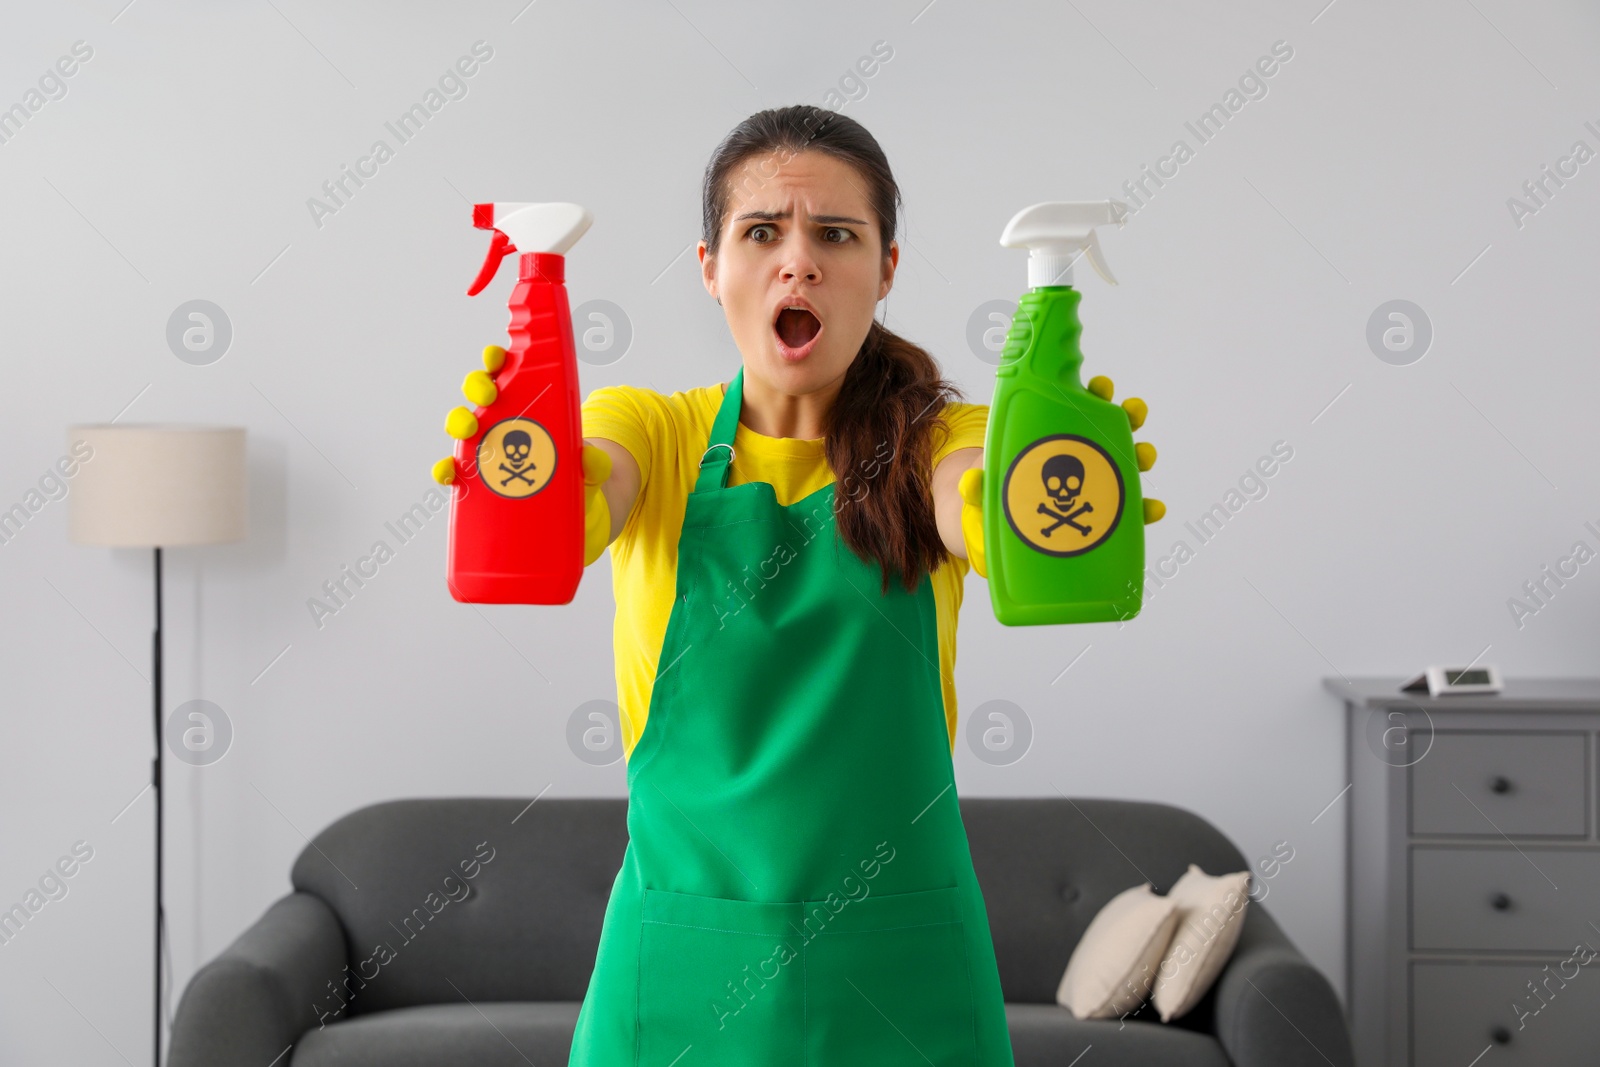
<point x="772" y="216"/>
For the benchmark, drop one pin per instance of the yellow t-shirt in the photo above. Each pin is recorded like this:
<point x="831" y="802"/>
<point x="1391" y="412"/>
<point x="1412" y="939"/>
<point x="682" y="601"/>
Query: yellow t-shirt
<point x="667" y="435"/>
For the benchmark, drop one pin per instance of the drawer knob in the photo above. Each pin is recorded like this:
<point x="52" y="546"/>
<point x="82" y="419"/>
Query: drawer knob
<point x="1500" y="902"/>
<point x="1501" y="1035"/>
<point x="1500" y="784"/>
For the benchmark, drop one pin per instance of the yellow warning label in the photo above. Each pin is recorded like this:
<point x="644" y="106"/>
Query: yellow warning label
<point x="516" y="457"/>
<point x="1063" y="494"/>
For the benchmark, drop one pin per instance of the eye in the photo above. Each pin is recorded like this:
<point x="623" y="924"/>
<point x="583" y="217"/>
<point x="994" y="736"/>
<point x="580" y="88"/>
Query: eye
<point x="759" y="226"/>
<point x="841" y="230"/>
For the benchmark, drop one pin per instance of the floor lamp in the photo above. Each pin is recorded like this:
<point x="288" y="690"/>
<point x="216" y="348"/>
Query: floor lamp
<point x="155" y="486"/>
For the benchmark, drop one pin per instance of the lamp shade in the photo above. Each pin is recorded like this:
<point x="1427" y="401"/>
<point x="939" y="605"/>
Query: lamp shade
<point x="157" y="485"/>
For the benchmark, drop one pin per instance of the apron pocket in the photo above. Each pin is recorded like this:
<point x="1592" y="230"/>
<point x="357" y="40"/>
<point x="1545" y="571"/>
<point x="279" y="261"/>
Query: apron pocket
<point x="721" y="980"/>
<point x="887" y="982"/>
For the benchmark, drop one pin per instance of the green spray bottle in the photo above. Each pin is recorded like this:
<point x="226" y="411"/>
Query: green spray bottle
<point x="1063" y="524"/>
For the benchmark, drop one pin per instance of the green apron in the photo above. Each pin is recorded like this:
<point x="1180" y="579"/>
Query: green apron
<point x="797" y="889"/>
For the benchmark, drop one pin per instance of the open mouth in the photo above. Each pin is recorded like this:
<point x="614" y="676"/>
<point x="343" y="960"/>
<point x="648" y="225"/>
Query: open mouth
<point x="797" y="330"/>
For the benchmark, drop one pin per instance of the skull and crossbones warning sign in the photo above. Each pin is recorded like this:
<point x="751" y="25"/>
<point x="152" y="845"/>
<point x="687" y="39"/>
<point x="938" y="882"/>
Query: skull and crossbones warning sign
<point x="518" y="446"/>
<point x="516" y="457"/>
<point x="1063" y="494"/>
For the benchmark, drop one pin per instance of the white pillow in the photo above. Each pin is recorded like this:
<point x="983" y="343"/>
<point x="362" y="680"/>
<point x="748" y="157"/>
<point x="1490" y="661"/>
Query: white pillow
<point x="1210" y="916"/>
<point x="1112" y="967"/>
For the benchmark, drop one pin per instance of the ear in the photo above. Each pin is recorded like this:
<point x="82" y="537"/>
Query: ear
<point x="891" y="262"/>
<point x="708" y="269"/>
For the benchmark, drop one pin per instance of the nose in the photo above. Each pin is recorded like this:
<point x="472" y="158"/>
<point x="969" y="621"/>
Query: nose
<point x="801" y="261"/>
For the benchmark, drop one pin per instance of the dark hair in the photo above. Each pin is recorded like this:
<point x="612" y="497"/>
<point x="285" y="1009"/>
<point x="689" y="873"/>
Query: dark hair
<point x="880" y="432"/>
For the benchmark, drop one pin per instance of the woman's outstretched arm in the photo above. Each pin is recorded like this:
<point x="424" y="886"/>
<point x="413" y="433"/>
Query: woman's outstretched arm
<point x="621" y="489"/>
<point x="947" y="499"/>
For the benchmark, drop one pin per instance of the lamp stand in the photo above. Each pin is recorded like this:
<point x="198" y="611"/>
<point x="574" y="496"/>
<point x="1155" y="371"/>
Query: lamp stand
<point x="153" y="485"/>
<point x="155" y="767"/>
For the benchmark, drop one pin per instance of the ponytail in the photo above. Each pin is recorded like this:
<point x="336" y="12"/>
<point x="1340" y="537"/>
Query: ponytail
<point x="880" y="444"/>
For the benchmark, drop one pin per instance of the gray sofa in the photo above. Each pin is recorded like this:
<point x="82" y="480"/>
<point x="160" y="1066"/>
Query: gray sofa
<point x="462" y="931"/>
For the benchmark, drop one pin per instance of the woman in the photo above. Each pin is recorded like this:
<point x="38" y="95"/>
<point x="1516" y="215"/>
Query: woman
<point x="788" y="550"/>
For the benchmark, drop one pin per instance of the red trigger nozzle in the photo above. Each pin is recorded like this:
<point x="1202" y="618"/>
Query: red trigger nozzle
<point x="499" y="249"/>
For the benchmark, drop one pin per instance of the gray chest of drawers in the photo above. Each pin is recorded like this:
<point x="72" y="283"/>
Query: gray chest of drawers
<point x="1473" y="891"/>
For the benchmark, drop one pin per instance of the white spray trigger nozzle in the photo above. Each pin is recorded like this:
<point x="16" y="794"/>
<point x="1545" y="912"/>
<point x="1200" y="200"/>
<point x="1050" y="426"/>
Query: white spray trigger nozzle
<point x="526" y="227"/>
<point x="1057" y="232"/>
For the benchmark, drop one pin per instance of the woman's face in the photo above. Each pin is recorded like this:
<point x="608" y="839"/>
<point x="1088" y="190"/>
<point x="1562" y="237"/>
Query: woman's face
<point x="801" y="228"/>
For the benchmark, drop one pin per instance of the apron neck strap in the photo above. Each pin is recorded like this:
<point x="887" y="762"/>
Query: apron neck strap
<point x="718" y="455"/>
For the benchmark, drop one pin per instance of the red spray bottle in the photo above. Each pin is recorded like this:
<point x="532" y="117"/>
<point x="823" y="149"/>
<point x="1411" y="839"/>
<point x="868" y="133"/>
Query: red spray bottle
<point x="516" y="507"/>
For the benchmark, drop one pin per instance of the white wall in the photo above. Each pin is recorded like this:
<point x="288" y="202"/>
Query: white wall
<point x="178" y="165"/>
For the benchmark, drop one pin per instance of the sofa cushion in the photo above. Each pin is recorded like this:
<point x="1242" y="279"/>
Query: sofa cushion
<point x="486" y="1034"/>
<point x="503" y="895"/>
<point x="1112" y="968"/>
<point x="1047" y="1035"/>
<point x="492" y="1034"/>
<point x="1210" y="915"/>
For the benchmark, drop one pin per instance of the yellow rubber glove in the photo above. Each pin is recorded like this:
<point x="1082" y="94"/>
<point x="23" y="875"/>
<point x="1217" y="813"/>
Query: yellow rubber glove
<point x="971" y="483"/>
<point x="971" y="487"/>
<point x="596" y="510"/>
<point x="461" y="424"/>
<point x="1144" y="453"/>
